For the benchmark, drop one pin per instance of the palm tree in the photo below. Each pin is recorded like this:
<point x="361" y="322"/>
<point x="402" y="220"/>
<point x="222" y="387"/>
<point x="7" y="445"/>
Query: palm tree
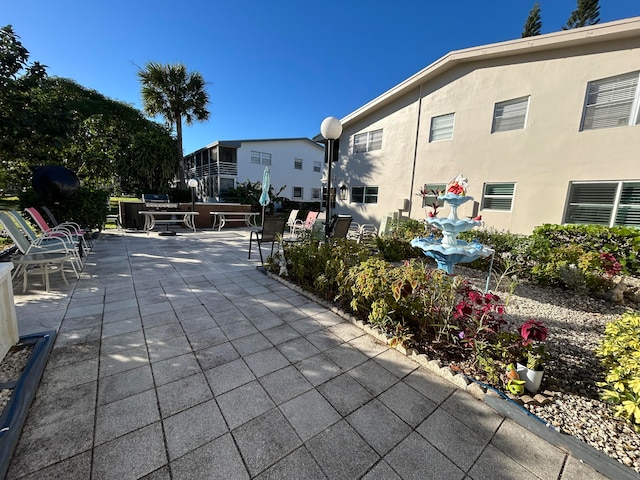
<point x="170" y="91"/>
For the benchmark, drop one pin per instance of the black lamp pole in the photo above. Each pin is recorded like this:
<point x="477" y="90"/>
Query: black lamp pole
<point x="331" y="129"/>
<point x="327" y="223"/>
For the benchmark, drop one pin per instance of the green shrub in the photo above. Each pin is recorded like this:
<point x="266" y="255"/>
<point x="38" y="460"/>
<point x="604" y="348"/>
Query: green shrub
<point x="88" y="207"/>
<point x="621" y="360"/>
<point x="622" y="242"/>
<point x="406" y="229"/>
<point x="413" y="296"/>
<point x="320" y="267"/>
<point x="394" y="249"/>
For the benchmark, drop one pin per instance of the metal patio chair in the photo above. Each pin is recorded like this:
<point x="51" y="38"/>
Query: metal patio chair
<point x="272" y="229"/>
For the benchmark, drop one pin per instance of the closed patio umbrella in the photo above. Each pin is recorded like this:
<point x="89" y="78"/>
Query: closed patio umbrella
<point x="264" y="197"/>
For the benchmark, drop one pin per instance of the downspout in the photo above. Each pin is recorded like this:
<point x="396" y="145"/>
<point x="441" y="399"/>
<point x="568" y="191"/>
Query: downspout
<point x="415" y="150"/>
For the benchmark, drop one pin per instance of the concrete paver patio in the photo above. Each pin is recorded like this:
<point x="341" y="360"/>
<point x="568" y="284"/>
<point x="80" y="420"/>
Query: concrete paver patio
<point x="176" y="359"/>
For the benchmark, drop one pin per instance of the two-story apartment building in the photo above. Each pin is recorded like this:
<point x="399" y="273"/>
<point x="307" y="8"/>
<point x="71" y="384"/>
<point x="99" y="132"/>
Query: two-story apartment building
<point x="295" y="163"/>
<point x="546" y="129"/>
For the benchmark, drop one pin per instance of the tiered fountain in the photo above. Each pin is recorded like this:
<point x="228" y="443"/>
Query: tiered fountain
<point x="448" y="250"/>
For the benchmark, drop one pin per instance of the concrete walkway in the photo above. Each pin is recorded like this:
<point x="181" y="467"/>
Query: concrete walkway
<point x="176" y="359"/>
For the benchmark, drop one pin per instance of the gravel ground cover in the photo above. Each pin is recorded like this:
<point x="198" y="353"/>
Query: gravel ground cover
<point x="576" y="327"/>
<point x="11" y="367"/>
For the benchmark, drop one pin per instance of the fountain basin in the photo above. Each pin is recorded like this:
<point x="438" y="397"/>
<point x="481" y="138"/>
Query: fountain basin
<point x="447" y="255"/>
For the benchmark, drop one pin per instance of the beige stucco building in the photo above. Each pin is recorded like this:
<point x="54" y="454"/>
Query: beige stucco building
<point x="546" y="129"/>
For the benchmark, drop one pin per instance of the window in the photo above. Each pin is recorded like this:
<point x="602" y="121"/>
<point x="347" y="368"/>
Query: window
<point x="430" y="199"/>
<point x="441" y="127"/>
<point x="364" y="194"/>
<point x="605" y="203"/>
<point x="258" y="158"/>
<point x="498" y="196"/>
<point x="510" y="115"/>
<point x="366" y="142"/>
<point x="297" y="192"/>
<point x="297" y="163"/>
<point x="315" y="194"/>
<point x="317" y="166"/>
<point x="612" y="102"/>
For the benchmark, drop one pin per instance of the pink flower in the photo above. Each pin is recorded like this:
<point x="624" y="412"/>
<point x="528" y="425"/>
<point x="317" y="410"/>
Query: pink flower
<point x="533" y="330"/>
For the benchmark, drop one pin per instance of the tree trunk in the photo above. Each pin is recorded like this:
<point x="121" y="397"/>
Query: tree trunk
<point x="178" y="121"/>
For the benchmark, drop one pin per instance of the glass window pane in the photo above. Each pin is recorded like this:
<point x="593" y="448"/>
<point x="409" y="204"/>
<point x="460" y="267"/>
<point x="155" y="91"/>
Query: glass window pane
<point x="593" y="193"/>
<point x="609" y="101"/>
<point x="360" y="143"/>
<point x="357" y="194"/>
<point x="371" y="195"/>
<point x="430" y="199"/>
<point x="591" y="214"/>
<point x="375" y="140"/>
<point x="442" y="127"/>
<point x="510" y="115"/>
<point x="496" y="203"/>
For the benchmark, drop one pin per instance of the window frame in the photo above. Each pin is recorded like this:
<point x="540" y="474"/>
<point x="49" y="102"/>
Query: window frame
<point x="293" y="192"/>
<point x="296" y="162"/>
<point x="264" y="158"/>
<point x="633" y="117"/>
<point x="491" y="196"/>
<point x="616" y="206"/>
<point x="430" y="199"/>
<point x="495" y="128"/>
<point x="317" y="166"/>
<point x="370" y="141"/>
<point x="367" y="194"/>
<point x="316" y="193"/>
<point x="435" y="130"/>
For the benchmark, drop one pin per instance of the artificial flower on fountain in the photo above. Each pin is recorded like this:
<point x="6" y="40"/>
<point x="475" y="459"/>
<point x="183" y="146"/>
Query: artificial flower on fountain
<point x="448" y="250"/>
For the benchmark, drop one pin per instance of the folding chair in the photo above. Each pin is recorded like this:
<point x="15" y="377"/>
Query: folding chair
<point x="271" y="229"/>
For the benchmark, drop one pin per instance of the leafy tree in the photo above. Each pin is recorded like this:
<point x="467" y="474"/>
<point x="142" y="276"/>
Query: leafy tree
<point x="533" y="25"/>
<point x="587" y="12"/>
<point x="172" y="92"/>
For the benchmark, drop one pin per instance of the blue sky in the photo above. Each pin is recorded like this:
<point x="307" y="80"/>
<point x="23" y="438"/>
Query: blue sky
<point x="276" y="68"/>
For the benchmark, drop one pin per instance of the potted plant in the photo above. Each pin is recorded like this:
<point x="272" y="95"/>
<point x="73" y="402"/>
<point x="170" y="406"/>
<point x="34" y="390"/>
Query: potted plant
<point x="530" y="365"/>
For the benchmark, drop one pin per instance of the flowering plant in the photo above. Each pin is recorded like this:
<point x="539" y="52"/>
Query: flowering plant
<point x="533" y="333"/>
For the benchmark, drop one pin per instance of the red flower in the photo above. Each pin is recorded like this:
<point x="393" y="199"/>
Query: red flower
<point x="533" y="330"/>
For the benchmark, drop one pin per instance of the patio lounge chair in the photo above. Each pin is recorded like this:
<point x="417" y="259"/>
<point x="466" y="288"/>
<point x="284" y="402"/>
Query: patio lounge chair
<point x="307" y="225"/>
<point x="291" y="221"/>
<point x="48" y="241"/>
<point x="53" y="221"/>
<point x="40" y="253"/>
<point x="272" y="228"/>
<point x="71" y="230"/>
<point x="340" y="226"/>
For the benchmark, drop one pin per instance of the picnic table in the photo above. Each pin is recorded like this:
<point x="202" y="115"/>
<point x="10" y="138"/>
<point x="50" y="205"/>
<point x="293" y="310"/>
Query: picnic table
<point x="166" y="217"/>
<point x="220" y="218"/>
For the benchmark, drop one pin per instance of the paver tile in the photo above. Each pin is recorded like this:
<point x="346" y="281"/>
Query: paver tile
<point x="309" y="414"/>
<point x="265" y="440"/>
<point x="217" y="460"/>
<point x="244" y="403"/>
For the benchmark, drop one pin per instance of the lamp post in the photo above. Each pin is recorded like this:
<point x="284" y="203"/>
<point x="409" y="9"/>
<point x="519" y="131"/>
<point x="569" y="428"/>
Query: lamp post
<point x="331" y="129"/>
<point x="193" y="183"/>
